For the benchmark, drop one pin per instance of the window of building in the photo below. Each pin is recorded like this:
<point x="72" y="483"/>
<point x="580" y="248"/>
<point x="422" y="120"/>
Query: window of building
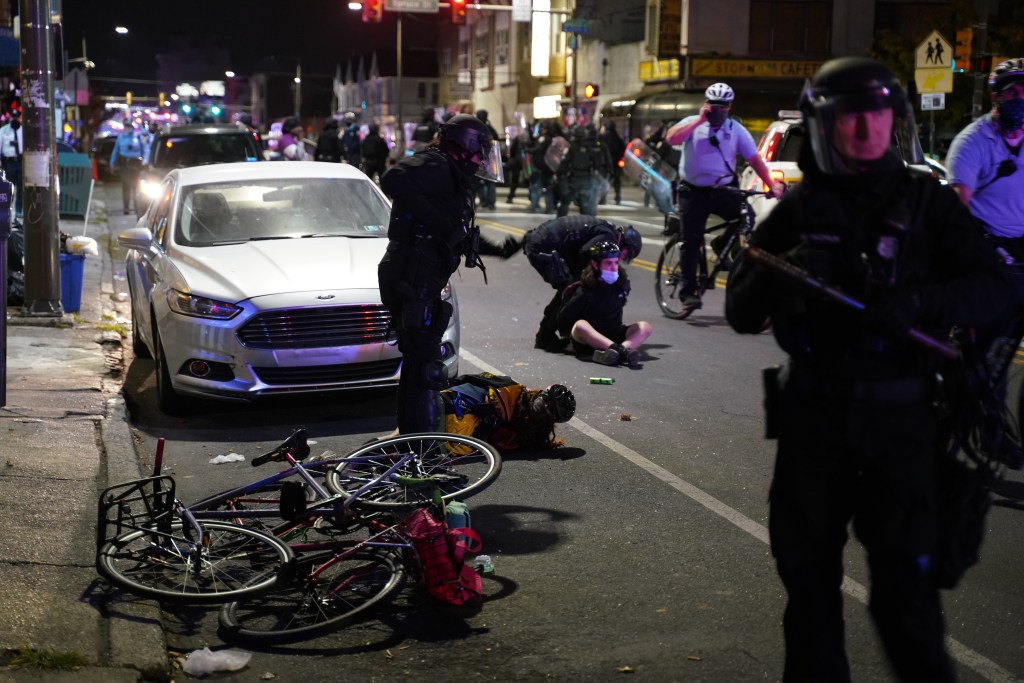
<point x="790" y="26"/>
<point x="906" y="18"/>
<point x="447" y="66"/>
<point x="463" y="55"/>
<point x="501" y="55"/>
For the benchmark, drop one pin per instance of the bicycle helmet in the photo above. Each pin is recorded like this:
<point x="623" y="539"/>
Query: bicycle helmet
<point x="855" y="84"/>
<point x="1005" y="74"/>
<point x="630" y="239"/>
<point x="1010" y="110"/>
<point x="719" y="93"/>
<point x="602" y="250"/>
<point x="561" y="400"/>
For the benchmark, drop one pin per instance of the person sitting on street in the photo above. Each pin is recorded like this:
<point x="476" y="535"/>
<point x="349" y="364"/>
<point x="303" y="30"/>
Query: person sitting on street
<point x="557" y="249"/>
<point x="591" y="311"/>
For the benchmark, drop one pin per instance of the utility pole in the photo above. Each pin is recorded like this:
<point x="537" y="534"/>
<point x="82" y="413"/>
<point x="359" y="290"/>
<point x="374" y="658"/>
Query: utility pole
<point x="42" y="239"/>
<point x="979" y="47"/>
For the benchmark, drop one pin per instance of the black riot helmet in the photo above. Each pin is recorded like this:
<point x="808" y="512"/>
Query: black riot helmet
<point x="629" y="238"/>
<point x="851" y="85"/>
<point x="465" y="135"/>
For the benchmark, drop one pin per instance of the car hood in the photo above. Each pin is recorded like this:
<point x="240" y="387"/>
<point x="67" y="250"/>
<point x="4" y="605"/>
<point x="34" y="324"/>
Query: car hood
<point x="236" y="272"/>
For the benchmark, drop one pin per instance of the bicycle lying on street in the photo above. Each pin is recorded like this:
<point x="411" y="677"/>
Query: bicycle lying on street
<point x="726" y="239"/>
<point x="321" y="553"/>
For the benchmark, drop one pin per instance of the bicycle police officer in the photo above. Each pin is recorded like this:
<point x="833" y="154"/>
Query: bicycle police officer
<point x="854" y="416"/>
<point x="431" y="227"/>
<point x="707" y="176"/>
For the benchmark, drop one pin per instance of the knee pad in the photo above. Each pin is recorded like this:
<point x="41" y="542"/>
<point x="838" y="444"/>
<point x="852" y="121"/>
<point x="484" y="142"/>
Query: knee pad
<point x="434" y="375"/>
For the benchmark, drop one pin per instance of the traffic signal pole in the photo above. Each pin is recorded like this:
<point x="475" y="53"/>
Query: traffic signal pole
<point x="39" y="203"/>
<point x="979" y="46"/>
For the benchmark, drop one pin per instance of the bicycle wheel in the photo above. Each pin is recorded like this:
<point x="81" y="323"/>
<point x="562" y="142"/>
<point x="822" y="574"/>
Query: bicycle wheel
<point x="458" y="466"/>
<point x="668" y="279"/>
<point x="315" y="602"/>
<point x="173" y="566"/>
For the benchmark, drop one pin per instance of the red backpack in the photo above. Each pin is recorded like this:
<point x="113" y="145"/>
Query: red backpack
<point x="441" y="552"/>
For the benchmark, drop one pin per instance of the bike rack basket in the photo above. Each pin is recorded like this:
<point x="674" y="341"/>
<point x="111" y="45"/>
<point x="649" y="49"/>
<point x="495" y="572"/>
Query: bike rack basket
<point x="143" y="503"/>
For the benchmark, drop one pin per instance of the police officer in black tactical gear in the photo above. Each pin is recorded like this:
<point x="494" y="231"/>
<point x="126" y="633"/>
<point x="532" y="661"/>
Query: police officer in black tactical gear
<point x="557" y="249"/>
<point x="576" y="174"/>
<point x="431" y="229"/>
<point x="853" y="409"/>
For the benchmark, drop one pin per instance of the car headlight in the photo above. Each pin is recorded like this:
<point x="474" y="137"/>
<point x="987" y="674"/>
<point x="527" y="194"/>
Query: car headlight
<point x="200" y="306"/>
<point x="149" y="188"/>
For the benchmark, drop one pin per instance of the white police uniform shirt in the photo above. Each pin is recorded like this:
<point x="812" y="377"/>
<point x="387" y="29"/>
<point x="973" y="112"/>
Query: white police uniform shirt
<point x="703" y="165"/>
<point x="11" y="145"/>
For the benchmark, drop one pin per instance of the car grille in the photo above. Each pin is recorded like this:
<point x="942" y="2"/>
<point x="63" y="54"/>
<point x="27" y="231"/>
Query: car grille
<point x="329" y="374"/>
<point x="310" y="328"/>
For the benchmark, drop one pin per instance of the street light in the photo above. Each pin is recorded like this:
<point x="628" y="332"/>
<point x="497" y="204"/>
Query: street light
<point x="121" y="29"/>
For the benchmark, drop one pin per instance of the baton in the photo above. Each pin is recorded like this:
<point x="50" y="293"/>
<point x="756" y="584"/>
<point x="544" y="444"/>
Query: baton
<point x="756" y="255"/>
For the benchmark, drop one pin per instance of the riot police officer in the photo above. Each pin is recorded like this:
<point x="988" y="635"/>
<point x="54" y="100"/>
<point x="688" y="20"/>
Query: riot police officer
<point x="854" y="408"/>
<point x="431" y="228"/>
<point x="576" y="174"/>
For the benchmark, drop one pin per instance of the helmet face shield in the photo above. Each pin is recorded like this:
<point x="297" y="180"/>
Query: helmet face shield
<point x="490" y="165"/>
<point x="821" y="112"/>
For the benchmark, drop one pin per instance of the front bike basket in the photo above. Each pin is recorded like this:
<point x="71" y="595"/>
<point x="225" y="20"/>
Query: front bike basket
<point x="143" y="503"/>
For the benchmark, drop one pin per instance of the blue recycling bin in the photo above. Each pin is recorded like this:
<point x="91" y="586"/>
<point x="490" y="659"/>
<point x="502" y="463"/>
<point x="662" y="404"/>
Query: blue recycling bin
<point x="72" y="268"/>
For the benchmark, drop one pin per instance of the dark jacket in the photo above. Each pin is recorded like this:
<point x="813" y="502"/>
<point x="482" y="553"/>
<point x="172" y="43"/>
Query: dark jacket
<point x="555" y="247"/>
<point x="595" y="301"/>
<point x="873" y="235"/>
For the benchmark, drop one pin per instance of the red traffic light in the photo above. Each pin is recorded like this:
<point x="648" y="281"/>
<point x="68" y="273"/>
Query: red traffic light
<point x="373" y="10"/>
<point x="458" y="12"/>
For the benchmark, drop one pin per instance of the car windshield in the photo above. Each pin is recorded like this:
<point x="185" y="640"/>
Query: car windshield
<point x="179" y="151"/>
<point x="230" y="213"/>
<point x="791" y="145"/>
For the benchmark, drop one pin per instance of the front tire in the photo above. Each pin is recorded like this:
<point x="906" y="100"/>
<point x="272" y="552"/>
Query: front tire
<point x="168" y="565"/>
<point x="168" y="399"/>
<point x="668" y="280"/>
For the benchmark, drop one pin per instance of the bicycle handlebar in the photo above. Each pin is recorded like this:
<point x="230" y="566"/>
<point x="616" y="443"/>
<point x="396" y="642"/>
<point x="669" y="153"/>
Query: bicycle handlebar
<point x="296" y="445"/>
<point x="782" y="267"/>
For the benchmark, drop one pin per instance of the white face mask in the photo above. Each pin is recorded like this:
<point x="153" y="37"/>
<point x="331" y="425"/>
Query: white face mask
<point x="610" y="276"/>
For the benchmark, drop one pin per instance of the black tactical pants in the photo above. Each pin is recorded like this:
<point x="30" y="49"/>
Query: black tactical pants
<point x="696" y="204"/>
<point x="872" y="462"/>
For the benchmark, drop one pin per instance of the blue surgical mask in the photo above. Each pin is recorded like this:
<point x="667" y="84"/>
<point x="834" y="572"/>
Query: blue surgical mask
<point x="610" y="276"/>
<point x="1011" y="114"/>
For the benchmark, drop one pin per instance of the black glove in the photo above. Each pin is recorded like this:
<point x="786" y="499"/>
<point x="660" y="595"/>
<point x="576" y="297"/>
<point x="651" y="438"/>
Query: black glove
<point x="510" y="248"/>
<point x="895" y="315"/>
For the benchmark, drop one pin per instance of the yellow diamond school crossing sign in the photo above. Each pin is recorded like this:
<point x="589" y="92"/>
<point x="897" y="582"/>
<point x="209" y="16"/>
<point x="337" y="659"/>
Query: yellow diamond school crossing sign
<point x="933" y="65"/>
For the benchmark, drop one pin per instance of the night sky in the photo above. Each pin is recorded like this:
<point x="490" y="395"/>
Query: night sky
<point x="321" y="33"/>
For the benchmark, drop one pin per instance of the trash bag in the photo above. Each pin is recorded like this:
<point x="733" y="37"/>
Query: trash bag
<point x="16" y="250"/>
<point x="15" y="289"/>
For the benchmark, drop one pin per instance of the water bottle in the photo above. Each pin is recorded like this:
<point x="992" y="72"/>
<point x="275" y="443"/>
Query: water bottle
<point x="484" y="564"/>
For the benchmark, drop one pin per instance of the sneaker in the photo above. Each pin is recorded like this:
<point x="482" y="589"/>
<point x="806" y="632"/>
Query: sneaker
<point x="632" y="358"/>
<point x="606" y="357"/>
<point x="692" y="302"/>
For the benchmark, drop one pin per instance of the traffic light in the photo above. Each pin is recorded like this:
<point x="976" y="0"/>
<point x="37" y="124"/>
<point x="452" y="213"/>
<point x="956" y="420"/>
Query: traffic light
<point x="373" y="10"/>
<point x="983" y="63"/>
<point x="458" y="12"/>
<point x="962" y="49"/>
<point x="590" y="91"/>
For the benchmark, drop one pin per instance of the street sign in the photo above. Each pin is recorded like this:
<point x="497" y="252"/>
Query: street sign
<point x="933" y="80"/>
<point x="411" y="5"/>
<point x="575" y="26"/>
<point x="934" y="53"/>
<point x="933" y="101"/>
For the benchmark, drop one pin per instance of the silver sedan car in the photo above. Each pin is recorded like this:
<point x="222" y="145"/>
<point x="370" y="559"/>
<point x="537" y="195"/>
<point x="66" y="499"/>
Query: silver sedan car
<point x="250" y="280"/>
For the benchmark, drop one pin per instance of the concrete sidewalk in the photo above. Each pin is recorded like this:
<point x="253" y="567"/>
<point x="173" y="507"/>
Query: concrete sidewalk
<point x="64" y="437"/>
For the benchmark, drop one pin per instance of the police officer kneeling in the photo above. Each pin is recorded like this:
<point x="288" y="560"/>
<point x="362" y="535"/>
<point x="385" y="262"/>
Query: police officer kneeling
<point x="431" y="228"/>
<point x="857" y="433"/>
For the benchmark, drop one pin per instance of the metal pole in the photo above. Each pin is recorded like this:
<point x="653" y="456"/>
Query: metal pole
<point x="398" y="87"/>
<point x="978" y="47"/>
<point x="298" y="86"/>
<point x="6" y="195"/>
<point x="42" y="239"/>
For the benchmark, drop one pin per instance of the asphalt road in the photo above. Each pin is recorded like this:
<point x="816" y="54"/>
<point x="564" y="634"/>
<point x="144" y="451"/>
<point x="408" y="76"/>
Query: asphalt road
<point x="640" y="546"/>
